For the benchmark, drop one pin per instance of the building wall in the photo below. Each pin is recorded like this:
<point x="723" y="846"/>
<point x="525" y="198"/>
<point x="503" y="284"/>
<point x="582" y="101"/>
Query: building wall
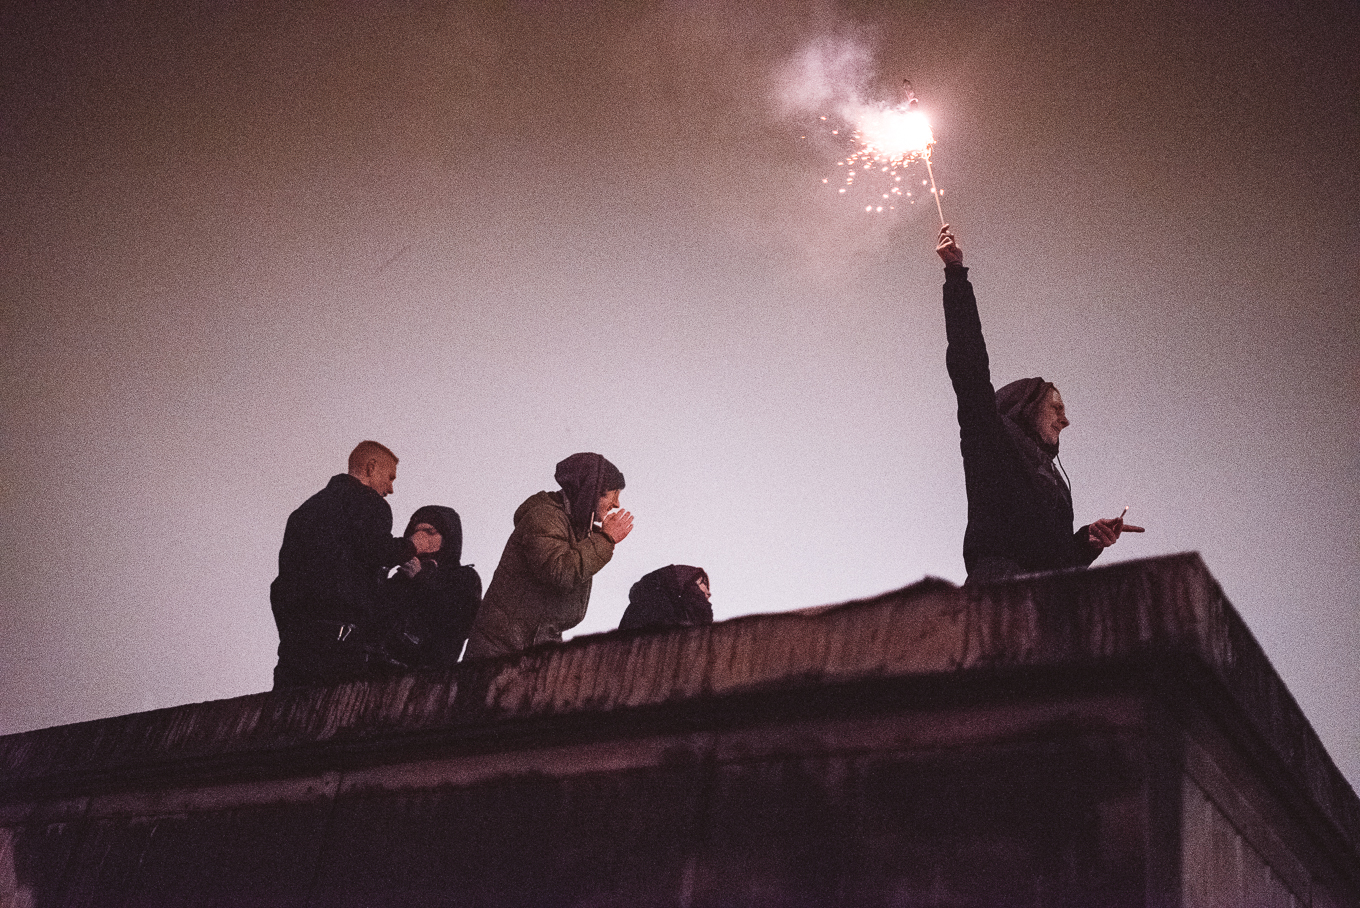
<point x="1221" y="869"/>
<point x="1111" y="737"/>
<point x="1021" y="812"/>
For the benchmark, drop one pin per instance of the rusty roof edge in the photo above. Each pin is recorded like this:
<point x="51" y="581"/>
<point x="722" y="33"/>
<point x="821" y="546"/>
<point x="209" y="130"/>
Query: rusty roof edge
<point x="1170" y="604"/>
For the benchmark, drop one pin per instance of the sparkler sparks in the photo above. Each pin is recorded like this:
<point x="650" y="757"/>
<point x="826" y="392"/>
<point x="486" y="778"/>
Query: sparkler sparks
<point x="888" y="139"/>
<point x="894" y="136"/>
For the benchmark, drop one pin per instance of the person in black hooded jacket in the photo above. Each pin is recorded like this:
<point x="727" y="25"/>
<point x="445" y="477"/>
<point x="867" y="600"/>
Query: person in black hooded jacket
<point x="1019" y="507"/>
<point x="673" y="596"/>
<point x="435" y="595"/>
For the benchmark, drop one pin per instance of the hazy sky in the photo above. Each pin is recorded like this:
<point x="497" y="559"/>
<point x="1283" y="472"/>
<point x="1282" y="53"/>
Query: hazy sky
<point x="240" y="237"/>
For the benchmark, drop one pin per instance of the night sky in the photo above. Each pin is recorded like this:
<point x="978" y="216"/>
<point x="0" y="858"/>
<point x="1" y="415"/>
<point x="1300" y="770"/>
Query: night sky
<point x="240" y="237"/>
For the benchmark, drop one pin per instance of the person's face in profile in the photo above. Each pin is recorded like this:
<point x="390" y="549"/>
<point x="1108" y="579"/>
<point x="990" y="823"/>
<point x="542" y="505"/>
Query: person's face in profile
<point x="702" y="584"/>
<point x="432" y="536"/>
<point x="608" y="502"/>
<point x="379" y="475"/>
<point x="1051" y="418"/>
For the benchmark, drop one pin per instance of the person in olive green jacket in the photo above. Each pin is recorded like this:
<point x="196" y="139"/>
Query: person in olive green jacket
<point x="561" y="540"/>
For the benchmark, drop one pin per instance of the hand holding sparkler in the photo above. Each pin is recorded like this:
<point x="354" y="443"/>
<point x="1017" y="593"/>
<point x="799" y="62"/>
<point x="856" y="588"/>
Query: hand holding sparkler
<point x="948" y="247"/>
<point x="1103" y="533"/>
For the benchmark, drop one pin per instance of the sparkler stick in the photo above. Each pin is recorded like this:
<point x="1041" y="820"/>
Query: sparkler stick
<point x="910" y="95"/>
<point x="933" y="191"/>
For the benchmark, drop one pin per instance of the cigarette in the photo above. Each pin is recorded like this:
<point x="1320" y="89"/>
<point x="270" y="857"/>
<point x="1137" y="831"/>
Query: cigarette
<point x="1120" y="518"/>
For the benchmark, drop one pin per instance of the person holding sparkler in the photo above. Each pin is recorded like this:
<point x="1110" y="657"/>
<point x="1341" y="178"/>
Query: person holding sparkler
<point x="1019" y="505"/>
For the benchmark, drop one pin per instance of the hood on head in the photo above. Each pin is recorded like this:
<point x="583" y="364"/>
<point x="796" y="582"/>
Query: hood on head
<point x="1020" y="402"/>
<point x="584" y="478"/>
<point x="668" y="597"/>
<point x="447" y="522"/>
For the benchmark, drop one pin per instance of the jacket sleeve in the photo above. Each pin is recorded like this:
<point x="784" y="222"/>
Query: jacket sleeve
<point x="980" y="427"/>
<point x="554" y="559"/>
<point x="379" y="543"/>
<point x="397" y="550"/>
<point x="1083" y="555"/>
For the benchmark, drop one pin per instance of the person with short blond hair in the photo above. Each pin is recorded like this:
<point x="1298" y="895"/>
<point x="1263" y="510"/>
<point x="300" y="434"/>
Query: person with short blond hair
<point x="366" y="452"/>
<point x="330" y="599"/>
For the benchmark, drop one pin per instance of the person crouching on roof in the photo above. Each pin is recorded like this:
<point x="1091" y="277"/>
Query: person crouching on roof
<point x="561" y="540"/>
<point x="435" y="594"/>
<point x="673" y="596"/>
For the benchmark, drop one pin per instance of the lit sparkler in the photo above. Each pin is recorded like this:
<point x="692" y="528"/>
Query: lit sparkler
<point x="891" y="138"/>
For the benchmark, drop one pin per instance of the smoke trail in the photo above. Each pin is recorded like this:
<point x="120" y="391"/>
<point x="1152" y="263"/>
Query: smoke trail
<point x="828" y="75"/>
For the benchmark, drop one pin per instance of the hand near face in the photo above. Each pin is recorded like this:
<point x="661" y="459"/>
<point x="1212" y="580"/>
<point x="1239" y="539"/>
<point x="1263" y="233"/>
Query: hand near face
<point x="427" y="539"/>
<point x="617" y="525"/>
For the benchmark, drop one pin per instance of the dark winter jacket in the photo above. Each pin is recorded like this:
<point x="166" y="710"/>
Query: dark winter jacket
<point x="1019" y="508"/>
<point x="439" y="602"/>
<point x="337" y="550"/>
<point x="542" y="585"/>
<point x="668" y="597"/>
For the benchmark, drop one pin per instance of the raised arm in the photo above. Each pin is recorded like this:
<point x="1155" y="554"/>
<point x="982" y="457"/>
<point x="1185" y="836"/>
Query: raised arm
<point x="373" y="539"/>
<point x="966" y="356"/>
